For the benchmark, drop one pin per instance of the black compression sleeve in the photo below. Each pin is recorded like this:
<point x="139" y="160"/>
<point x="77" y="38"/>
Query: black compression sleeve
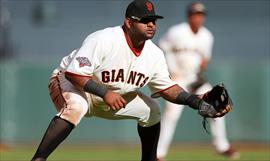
<point x="94" y="88"/>
<point x="188" y="99"/>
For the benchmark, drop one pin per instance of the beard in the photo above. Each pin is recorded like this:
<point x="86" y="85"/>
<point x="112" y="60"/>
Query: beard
<point x="149" y="34"/>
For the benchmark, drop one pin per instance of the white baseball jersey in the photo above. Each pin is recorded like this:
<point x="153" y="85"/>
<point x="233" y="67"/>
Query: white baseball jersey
<point x="106" y="57"/>
<point x="185" y="50"/>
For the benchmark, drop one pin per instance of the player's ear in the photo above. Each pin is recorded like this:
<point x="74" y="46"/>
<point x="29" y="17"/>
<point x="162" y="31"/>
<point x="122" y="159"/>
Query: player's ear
<point x="127" y="22"/>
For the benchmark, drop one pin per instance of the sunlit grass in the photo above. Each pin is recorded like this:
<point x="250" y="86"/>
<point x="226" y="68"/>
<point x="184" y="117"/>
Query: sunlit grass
<point x="118" y="152"/>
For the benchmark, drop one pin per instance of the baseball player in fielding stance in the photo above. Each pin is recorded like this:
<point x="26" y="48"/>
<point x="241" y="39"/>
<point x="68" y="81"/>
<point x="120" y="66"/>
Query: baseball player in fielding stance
<point x="188" y="48"/>
<point x="102" y="78"/>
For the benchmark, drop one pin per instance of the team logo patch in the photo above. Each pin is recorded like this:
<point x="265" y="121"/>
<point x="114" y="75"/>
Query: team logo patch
<point x="149" y="6"/>
<point x="83" y="61"/>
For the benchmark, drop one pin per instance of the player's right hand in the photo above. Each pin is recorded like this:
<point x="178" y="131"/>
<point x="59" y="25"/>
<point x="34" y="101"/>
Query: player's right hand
<point x="114" y="100"/>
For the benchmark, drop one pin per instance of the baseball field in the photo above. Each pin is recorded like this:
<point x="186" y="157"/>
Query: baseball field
<point x="118" y="152"/>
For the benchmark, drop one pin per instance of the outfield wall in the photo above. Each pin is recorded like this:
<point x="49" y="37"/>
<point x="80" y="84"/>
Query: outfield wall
<point x="26" y="108"/>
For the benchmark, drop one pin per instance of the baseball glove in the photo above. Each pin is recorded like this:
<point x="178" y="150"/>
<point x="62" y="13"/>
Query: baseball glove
<point x="219" y="98"/>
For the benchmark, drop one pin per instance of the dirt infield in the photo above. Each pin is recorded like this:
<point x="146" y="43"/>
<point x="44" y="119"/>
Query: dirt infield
<point x="247" y="146"/>
<point x="3" y="147"/>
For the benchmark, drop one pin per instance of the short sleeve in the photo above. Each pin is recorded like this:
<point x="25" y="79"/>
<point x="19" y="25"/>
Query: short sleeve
<point x="210" y="46"/>
<point x="86" y="59"/>
<point x="161" y="79"/>
<point x="166" y="42"/>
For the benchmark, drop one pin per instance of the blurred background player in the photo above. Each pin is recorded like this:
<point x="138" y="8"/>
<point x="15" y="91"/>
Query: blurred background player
<point x="188" y="48"/>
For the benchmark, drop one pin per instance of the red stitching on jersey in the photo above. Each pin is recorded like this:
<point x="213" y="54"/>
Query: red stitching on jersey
<point x="74" y="74"/>
<point x="155" y="95"/>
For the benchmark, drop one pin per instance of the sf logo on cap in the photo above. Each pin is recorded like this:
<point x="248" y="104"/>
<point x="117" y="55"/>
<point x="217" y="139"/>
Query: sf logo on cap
<point x="149" y="6"/>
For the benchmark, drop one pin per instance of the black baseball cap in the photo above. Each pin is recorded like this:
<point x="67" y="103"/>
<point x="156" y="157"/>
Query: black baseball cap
<point x="141" y="9"/>
<point x="196" y="7"/>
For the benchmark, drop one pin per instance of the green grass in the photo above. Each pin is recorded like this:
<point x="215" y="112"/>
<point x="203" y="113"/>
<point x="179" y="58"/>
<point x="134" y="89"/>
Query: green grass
<point x="118" y="152"/>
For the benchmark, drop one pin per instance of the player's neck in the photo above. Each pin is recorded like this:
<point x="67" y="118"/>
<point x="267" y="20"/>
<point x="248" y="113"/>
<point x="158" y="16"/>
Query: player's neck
<point x="134" y="43"/>
<point x="194" y="29"/>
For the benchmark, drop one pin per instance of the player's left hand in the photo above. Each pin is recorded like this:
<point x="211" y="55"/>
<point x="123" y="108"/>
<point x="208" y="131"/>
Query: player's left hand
<point x="216" y="102"/>
<point x="207" y="110"/>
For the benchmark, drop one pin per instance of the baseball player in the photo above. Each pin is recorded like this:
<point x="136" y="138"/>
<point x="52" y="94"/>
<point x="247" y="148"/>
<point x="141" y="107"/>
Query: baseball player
<point x="102" y="78"/>
<point x="188" y="48"/>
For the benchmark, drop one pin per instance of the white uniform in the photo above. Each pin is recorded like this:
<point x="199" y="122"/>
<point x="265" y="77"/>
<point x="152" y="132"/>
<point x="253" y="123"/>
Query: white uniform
<point x="106" y="57"/>
<point x="185" y="52"/>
